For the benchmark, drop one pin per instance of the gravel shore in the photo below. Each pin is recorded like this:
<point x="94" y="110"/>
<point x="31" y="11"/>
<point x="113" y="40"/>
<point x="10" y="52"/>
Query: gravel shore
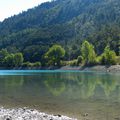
<point x="28" y="114"/>
<point x="113" y="68"/>
<point x="98" y="68"/>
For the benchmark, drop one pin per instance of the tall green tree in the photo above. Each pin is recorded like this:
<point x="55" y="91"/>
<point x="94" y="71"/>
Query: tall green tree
<point x="13" y="60"/>
<point x="9" y="61"/>
<point x="88" y="53"/>
<point x="3" y="54"/>
<point x="109" y="56"/>
<point x="54" y="55"/>
<point x="18" y="59"/>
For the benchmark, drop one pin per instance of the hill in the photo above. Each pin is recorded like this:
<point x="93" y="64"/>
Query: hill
<point x="62" y="22"/>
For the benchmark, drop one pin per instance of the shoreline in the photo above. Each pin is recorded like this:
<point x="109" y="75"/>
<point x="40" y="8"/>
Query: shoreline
<point x="34" y="113"/>
<point x="96" y="68"/>
<point x="28" y="114"/>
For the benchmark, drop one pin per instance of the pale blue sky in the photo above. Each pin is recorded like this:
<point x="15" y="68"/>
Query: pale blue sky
<point x="12" y="7"/>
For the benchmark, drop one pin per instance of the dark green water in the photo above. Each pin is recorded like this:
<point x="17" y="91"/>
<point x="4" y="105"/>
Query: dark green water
<point x="69" y="93"/>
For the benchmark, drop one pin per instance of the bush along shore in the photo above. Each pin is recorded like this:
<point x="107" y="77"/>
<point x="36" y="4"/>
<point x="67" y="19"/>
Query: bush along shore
<point x="56" y="57"/>
<point x="28" y="114"/>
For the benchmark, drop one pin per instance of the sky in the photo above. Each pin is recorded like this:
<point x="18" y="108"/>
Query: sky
<point x="12" y="7"/>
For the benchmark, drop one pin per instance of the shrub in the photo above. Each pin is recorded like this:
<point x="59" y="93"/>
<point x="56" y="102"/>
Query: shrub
<point x="36" y="64"/>
<point x="79" y="60"/>
<point x="73" y="63"/>
<point x="118" y="60"/>
<point x="27" y="64"/>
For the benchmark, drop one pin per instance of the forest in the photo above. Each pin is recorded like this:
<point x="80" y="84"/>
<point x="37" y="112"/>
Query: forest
<point x="55" y="56"/>
<point x="35" y="34"/>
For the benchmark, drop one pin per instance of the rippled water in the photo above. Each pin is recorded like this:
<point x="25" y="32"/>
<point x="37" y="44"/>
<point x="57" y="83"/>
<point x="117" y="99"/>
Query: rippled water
<point x="85" y="95"/>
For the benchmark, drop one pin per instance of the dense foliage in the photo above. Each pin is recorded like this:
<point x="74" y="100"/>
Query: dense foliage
<point x="10" y="60"/>
<point x="67" y="23"/>
<point x="108" y="57"/>
<point x="54" y="55"/>
<point x="88" y="53"/>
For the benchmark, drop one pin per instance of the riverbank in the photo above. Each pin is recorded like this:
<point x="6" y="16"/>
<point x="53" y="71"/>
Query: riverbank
<point x="98" y="68"/>
<point x="28" y="114"/>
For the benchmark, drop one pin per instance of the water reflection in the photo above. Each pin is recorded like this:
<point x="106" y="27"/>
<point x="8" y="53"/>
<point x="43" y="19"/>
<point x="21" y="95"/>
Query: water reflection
<point x="66" y="92"/>
<point x="73" y="85"/>
<point x="83" y="85"/>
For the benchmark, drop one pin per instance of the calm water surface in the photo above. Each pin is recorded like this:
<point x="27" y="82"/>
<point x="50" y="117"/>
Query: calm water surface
<point x="85" y="95"/>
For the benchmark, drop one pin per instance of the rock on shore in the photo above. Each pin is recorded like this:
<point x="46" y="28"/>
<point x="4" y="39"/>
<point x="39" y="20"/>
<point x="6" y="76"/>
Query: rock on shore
<point x="28" y="114"/>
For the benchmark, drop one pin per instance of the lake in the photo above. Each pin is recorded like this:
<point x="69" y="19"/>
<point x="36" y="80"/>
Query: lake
<point x="85" y="95"/>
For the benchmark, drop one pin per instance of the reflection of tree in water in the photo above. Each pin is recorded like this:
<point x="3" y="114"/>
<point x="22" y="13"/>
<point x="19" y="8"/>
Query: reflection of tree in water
<point x="55" y="86"/>
<point x="87" y="88"/>
<point x="10" y="84"/>
<point x="13" y="81"/>
<point x="81" y="85"/>
<point x="109" y="84"/>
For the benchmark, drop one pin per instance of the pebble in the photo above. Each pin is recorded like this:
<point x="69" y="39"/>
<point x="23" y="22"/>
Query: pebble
<point x="28" y="114"/>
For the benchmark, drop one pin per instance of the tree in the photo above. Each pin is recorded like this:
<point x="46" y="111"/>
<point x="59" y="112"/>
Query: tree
<point x="9" y="61"/>
<point x="3" y="54"/>
<point x="55" y="54"/>
<point x="13" y="60"/>
<point x="79" y="60"/>
<point x="109" y="56"/>
<point x="88" y="53"/>
<point x="18" y="59"/>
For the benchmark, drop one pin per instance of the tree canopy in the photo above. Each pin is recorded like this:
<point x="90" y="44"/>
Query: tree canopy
<point x="55" y="54"/>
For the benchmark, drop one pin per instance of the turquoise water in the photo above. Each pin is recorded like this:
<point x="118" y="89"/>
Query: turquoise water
<point x="71" y="93"/>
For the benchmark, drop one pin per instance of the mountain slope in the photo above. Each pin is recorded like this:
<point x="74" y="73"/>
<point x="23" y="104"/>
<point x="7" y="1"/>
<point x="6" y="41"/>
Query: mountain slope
<point x="62" y="11"/>
<point x="63" y="22"/>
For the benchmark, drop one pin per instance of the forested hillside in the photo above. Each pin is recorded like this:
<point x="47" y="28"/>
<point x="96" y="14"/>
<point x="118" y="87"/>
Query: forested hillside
<point x="62" y="22"/>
